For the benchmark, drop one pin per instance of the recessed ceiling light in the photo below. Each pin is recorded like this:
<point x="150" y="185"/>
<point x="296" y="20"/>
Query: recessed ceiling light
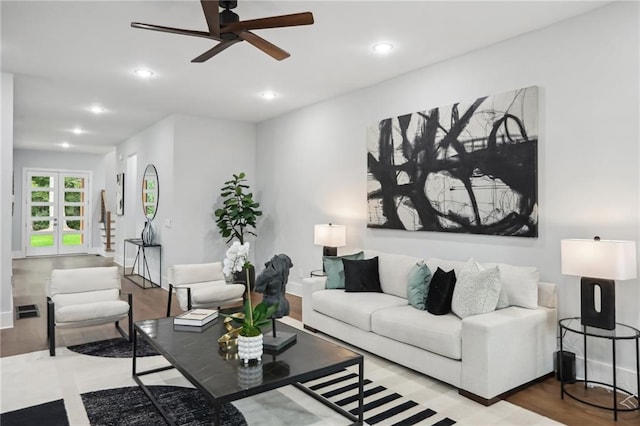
<point x="96" y="109"/>
<point x="383" y="48"/>
<point x="77" y="131"/>
<point x="143" y="73"/>
<point x="268" y="95"/>
<point x="65" y="145"/>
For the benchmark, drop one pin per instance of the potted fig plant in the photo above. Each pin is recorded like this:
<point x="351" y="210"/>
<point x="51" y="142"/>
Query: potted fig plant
<point x="239" y="212"/>
<point x="238" y="216"/>
<point x="250" y="335"/>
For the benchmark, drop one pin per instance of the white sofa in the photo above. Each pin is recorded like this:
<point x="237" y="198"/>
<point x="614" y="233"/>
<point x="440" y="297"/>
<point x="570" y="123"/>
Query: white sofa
<point x="484" y="356"/>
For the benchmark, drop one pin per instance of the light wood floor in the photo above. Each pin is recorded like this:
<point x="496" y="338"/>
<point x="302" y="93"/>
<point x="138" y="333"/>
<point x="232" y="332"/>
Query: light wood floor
<point x="29" y="334"/>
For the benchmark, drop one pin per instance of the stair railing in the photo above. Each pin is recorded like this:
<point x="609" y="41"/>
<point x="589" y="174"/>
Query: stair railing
<point x="105" y="218"/>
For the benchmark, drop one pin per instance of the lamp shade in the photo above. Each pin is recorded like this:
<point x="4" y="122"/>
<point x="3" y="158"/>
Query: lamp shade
<point x="605" y="259"/>
<point x="330" y="235"/>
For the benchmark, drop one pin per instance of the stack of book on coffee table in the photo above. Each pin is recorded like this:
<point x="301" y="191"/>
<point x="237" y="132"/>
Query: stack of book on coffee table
<point x="195" y="320"/>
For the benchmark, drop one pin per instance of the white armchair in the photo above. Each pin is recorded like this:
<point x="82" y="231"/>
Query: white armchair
<point x="83" y="297"/>
<point x="201" y="285"/>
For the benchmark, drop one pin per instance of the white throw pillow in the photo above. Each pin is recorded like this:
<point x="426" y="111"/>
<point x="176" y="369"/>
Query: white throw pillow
<point x="476" y="291"/>
<point x="521" y="284"/>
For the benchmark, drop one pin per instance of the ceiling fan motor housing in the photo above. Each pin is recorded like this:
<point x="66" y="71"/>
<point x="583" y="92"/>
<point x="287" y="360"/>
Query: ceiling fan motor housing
<point x="228" y="17"/>
<point x="228" y="4"/>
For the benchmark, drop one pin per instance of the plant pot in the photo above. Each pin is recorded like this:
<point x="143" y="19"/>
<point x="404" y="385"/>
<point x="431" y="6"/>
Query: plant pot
<point x="250" y="348"/>
<point x="250" y="376"/>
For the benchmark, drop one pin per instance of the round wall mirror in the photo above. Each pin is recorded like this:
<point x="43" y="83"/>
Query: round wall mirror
<point x="150" y="192"/>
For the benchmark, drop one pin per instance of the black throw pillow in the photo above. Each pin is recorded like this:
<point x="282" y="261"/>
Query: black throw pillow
<point x="441" y="292"/>
<point x="361" y="275"/>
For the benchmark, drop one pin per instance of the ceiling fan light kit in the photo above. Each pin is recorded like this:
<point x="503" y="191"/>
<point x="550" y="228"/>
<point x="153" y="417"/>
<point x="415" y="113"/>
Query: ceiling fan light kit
<point x="227" y="28"/>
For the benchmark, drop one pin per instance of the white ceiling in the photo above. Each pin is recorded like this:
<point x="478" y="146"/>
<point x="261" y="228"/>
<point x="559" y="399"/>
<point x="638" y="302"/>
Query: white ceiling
<point x="69" y="55"/>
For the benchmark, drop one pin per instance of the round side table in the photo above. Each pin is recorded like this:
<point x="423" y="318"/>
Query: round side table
<point x="621" y="332"/>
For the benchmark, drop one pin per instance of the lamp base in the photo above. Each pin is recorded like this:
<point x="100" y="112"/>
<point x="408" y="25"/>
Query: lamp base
<point x="605" y="317"/>
<point x="329" y="251"/>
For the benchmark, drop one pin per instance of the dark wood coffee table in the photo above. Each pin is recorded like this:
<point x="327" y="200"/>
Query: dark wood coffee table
<point x="197" y="357"/>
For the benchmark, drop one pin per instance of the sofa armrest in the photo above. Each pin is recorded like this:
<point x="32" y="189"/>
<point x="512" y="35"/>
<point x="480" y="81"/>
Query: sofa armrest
<point x="504" y="349"/>
<point x="309" y="286"/>
<point x="547" y="295"/>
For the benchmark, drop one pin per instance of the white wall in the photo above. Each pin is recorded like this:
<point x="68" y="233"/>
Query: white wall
<point x="153" y="145"/>
<point x="62" y="160"/>
<point x="311" y="164"/>
<point x="206" y="154"/>
<point x="6" y="171"/>
<point x="193" y="157"/>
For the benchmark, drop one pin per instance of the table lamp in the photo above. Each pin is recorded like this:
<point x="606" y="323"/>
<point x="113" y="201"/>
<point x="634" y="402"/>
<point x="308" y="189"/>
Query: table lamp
<point x="331" y="237"/>
<point x="598" y="263"/>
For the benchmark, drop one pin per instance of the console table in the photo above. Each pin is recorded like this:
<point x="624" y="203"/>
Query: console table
<point x="621" y="332"/>
<point x="141" y="262"/>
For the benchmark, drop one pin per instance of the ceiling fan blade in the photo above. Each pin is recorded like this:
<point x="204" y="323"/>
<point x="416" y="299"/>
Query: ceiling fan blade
<point x="215" y="50"/>
<point x="211" y="13"/>
<point x="162" y="29"/>
<point x="262" y="44"/>
<point x="304" y="18"/>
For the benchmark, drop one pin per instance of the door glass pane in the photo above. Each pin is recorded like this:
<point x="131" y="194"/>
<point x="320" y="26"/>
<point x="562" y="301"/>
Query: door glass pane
<point x="69" y="239"/>
<point x="41" y="211"/>
<point x="41" y="225"/>
<point x="76" y="225"/>
<point x="41" y="196"/>
<point x="73" y="182"/>
<point x="41" y="240"/>
<point x="42" y="182"/>
<point x="72" y="210"/>
<point x="73" y="197"/>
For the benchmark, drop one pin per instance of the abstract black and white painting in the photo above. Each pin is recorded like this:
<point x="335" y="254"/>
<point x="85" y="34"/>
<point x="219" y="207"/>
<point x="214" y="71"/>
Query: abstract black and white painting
<point x="120" y="194"/>
<point x="470" y="167"/>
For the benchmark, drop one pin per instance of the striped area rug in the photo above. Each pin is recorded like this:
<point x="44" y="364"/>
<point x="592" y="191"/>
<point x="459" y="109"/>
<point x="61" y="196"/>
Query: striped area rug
<point x="381" y="406"/>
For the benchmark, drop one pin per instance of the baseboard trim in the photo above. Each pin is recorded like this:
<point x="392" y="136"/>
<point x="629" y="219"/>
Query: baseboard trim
<point x="306" y="327"/>
<point x="294" y="288"/>
<point x="484" y="401"/>
<point x="6" y="319"/>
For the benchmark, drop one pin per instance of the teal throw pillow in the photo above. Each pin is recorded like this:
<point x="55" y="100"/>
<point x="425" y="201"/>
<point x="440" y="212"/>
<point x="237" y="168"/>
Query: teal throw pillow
<point x="335" y="269"/>
<point x="418" y="286"/>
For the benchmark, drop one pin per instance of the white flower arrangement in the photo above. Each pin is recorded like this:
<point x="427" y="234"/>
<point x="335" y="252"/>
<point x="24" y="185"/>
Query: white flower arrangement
<point x="236" y="259"/>
<point x="254" y="318"/>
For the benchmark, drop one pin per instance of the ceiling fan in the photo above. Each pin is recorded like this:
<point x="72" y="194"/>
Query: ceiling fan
<point x="227" y="28"/>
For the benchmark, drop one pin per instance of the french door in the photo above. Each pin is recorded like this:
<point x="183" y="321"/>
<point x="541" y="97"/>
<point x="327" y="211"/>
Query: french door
<point x="57" y="213"/>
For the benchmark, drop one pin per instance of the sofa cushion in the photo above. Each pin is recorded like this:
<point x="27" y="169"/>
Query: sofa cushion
<point x="69" y="299"/>
<point x="79" y="280"/>
<point x="439" y="334"/>
<point x="92" y="311"/>
<point x="209" y="293"/>
<point x="446" y="265"/>
<point x="334" y="268"/>
<point x="441" y="292"/>
<point x="394" y="271"/>
<point x="361" y="275"/>
<point x="353" y="308"/>
<point x="520" y="283"/>
<point x="476" y="291"/>
<point x="418" y="287"/>
<point x="195" y="273"/>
